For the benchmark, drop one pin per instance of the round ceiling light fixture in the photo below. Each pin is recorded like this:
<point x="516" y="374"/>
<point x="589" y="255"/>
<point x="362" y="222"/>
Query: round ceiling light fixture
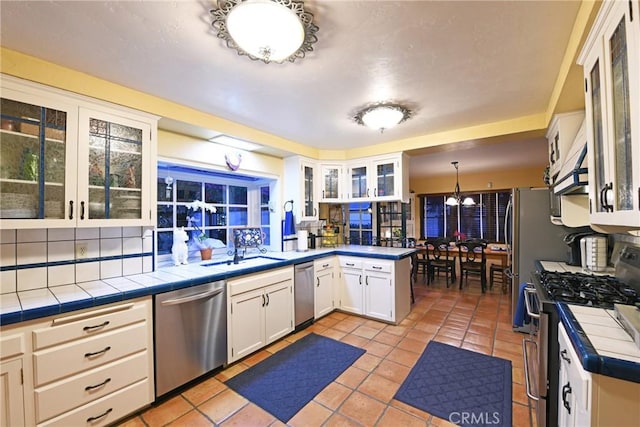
<point x="382" y="116"/>
<point x="265" y="30"/>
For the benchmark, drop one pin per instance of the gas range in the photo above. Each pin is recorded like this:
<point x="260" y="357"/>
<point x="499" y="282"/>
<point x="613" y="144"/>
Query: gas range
<point x="587" y="289"/>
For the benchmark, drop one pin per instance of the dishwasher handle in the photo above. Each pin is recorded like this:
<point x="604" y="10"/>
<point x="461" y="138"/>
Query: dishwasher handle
<point x="195" y="297"/>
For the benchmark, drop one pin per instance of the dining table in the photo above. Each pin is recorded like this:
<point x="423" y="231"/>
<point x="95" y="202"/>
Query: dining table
<point x="491" y="253"/>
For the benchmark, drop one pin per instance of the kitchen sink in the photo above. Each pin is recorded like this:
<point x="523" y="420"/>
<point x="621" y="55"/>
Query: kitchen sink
<point x="243" y="263"/>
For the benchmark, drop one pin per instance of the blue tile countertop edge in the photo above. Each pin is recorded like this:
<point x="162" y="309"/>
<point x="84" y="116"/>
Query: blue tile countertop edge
<point x="280" y="259"/>
<point x="590" y="359"/>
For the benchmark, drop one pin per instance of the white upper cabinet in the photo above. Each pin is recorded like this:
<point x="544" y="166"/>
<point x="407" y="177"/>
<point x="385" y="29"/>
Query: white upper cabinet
<point x="37" y="160"/>
<point x="611" y="64"/>
<point x="378" y="178"/>
<point x="301" y="186"/>
<point x="114" y="169"/>
<point x="70" y="162"/>
<point x="331" y="182"/>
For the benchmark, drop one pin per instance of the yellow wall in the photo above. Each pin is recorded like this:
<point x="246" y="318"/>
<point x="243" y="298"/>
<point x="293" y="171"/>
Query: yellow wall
<point x="37" y="70"/>
<point x="531" y="177"/>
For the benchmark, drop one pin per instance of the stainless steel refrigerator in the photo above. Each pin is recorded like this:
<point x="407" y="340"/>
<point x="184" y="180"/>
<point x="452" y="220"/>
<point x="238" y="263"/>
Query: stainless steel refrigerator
<point x="531" y="236"/>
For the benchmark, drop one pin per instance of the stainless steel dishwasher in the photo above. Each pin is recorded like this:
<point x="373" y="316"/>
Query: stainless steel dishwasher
<point x="190" y="334"/>
<point x="303" y="294"/>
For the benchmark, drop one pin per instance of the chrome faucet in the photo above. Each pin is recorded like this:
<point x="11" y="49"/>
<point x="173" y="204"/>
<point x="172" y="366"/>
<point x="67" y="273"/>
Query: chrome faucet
<point x="236" y="256"/>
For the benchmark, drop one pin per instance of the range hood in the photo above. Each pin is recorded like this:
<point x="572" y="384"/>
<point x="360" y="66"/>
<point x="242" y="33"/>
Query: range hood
<point x="573" y="177"/>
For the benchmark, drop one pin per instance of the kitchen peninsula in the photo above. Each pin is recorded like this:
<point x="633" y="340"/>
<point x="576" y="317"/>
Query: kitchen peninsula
<point x="110" y="333"/>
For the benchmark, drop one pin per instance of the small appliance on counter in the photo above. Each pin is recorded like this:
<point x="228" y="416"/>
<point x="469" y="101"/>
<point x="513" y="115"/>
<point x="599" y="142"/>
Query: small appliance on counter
<point x="594" y="253"/>
<point x="574" y="252"/>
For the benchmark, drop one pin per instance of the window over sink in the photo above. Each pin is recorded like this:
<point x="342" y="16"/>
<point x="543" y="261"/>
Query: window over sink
<point x="232" y="200"/>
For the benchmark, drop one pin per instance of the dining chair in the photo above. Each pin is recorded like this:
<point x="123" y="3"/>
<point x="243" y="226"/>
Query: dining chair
<point x="473" y="260"/>
<point x="422" y="264"/>
<point x="441" y="260"/>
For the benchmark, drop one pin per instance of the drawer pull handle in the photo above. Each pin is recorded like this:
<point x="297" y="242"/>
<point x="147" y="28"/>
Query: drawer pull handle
<point x="94" y="327"/>
<point x="350" y="264"/>
<point x="97" y="353"/>
<point x="375" y="267"/>
<point x="97" y="417"/>
<point x="563" y="354"/>
<point x="93" y="387"/>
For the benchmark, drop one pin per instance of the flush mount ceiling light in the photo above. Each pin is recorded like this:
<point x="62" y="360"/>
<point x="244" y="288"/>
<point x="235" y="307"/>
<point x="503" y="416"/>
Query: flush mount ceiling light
<point x="382" y="116"/>
<point x="456" y="198"/>
<point x="265" y="30"/>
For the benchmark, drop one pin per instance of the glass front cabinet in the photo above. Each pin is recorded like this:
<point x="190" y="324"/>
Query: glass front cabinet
<point x="301" y="187"/>
<point x="331" y="182"/>
<point x="379" y="178"/>
<point x="63" y="164"/>
<point x="611" y="61"/>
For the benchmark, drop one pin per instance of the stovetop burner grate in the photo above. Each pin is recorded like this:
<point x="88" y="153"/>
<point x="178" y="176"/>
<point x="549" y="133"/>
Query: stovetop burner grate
<point x="586" y="289"/>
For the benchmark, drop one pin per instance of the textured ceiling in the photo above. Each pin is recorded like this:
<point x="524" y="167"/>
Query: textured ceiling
<point x="456" y="63"/>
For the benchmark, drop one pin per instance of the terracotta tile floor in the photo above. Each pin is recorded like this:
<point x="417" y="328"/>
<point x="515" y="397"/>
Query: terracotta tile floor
<point x="363" y="394"/>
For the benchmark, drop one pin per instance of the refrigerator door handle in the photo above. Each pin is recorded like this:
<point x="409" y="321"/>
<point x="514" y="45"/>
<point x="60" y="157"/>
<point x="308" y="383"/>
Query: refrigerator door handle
<point x="507" y="237"/>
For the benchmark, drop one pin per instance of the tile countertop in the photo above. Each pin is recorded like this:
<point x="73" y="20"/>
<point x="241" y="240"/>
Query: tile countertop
<point x="601" y="344"/>
<point x="37" y="303"/>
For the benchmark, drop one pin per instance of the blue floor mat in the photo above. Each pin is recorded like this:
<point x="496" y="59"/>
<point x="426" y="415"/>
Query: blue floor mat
<point x="285" y="382"/>
<point x="461" y="386"/>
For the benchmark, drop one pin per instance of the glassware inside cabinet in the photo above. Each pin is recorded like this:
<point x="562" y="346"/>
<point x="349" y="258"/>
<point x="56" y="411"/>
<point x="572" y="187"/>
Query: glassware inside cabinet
<point x="32" y="161"/>
<point x="115" y="167"/>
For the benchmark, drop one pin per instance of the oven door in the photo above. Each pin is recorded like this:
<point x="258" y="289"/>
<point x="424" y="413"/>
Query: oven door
<point x="534" y="349"/>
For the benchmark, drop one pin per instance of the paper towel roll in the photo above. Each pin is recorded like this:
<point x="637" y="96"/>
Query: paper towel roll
<point x="303" y="244"/>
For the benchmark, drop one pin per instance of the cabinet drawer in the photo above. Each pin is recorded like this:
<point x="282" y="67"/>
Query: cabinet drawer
<point x="323" y="264"/>
<point x="12" y="345"/>
<point x="77" y="356"/>
<point x="384" y="267"/>
<point x="351" y="263"/>
<point x="107" y="409"/>
<point x="94" y="322"/>
<point x="61" y="396"/>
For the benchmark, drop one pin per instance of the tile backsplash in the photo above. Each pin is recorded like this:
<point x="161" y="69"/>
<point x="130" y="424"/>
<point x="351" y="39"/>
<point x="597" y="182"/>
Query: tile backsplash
<point x="40" y="258"/>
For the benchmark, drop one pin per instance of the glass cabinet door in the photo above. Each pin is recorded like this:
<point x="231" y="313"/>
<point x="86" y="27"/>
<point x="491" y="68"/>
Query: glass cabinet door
<point x="599" y="153"/>
<point x="358" y="178"/>
<point x="308" y="196"/>
<point x="114" y="164"/>
<point x="330" y="182"/>
<point x="616" y="53"/>
<point x="36" y="143"/>
<point x="385" y="179"/>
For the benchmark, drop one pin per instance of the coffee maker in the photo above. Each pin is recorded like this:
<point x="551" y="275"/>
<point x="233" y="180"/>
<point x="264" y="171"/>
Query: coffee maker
<point x="574" y="252"/>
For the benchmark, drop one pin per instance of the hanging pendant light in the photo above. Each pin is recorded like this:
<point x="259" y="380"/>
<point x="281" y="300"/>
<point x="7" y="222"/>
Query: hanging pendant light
<point x="456" y="198"/>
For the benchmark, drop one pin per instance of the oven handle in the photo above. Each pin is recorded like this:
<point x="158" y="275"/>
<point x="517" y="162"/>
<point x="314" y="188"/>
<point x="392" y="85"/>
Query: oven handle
<point x="527" y="303"/>
<point x="526" y="367"/>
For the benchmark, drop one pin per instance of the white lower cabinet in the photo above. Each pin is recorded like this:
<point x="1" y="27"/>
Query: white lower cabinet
<point x="375" y="288"/>
<point x="351" y="289"/>
<point x="260" y="310"/>
<point x="589" y="399"/>
<point x="378" y="290"/>
<point x="12" y="353"/>
<point x="90" y="367"/>
<point x="323" y="302"/>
